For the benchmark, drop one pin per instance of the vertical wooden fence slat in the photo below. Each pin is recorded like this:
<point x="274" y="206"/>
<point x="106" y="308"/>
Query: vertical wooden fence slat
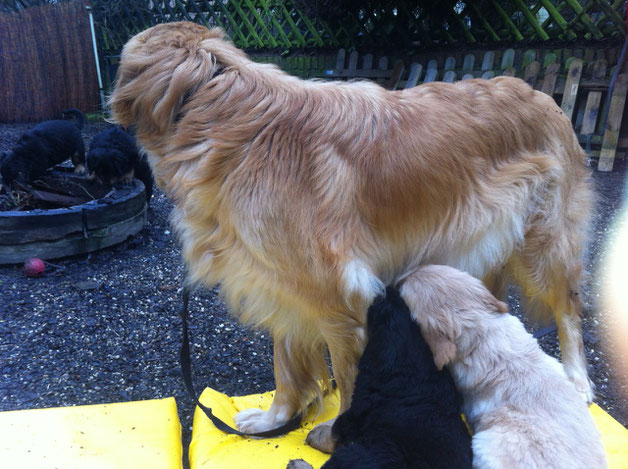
<point x="531" y="73"/>
<point x="397" y="73"/>
<point x="468" y="63"/>
<point x="571" y="87"/>
<point x="432" y="71"/>
<point x="449" y="77"/>
<point x="450" y="64"/>
<point x="549" y="80"/>
<point x="353" y="64"/>
<point x="415" y="75"/>
<point x="615" y="115"/>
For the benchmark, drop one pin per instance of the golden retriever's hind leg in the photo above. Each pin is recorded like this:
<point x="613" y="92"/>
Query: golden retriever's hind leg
<point x="556" y="288"/>
<point x="299" y="365"/>
<point x="569" y="323"/>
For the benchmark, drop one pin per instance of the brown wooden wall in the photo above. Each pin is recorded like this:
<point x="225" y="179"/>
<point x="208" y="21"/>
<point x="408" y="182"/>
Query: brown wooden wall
<point x="46" y="63"/>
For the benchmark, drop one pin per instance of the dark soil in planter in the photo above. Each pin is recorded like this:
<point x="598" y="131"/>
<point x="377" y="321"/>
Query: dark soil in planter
<point x="58" y="188"/>
<point x="105" y="327"/>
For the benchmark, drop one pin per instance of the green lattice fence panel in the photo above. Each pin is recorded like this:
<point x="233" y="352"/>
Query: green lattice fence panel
<point x="281" y="24"/>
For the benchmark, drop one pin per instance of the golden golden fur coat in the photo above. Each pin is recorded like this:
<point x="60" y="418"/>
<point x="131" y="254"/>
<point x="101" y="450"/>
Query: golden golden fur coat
<point x="304" y="198"/>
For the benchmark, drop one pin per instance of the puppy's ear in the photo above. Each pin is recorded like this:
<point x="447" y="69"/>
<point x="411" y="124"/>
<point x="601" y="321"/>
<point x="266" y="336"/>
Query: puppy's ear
<point x="435" y="318"/>
<point x="441" y="344"/>
<point x="500" y="306"/>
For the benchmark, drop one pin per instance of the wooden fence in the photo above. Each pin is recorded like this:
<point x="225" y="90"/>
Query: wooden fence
<point x="407" y="24"/>
<point x="47" y="63"/>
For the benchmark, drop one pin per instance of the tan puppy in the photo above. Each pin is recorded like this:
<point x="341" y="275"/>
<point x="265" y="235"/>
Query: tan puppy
<point x="524" y="411"/>
<point x="303" y="199"/>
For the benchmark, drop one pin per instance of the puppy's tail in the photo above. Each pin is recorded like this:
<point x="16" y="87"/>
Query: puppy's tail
<point x="78" y="115"/>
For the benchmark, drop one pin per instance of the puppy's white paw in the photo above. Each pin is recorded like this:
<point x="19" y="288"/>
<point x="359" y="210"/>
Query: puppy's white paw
<point x="258" y="420"/>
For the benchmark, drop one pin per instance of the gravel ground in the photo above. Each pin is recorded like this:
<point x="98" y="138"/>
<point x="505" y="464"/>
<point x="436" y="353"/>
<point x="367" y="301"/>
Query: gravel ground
<point x="105" y="327"/>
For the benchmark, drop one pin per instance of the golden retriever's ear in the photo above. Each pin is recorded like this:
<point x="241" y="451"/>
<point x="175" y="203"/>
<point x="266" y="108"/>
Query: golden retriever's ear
<point x="158" y="69"/>
<point x="500" y="306"/>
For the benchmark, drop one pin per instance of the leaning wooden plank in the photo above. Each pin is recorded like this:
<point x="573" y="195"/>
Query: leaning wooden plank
<point x="488" y="75"/>
<point x="592" y="107"/>
<point x="415" y="73"/>
<point x="531" y="73"/>
<point x="397" y="73"/>
<point x="615" y="115"/>
<point x="549" y="81"/>
<point x="571" y="87"/>
<point x="449" y="77"/>
<point x="467" y="76"/>
<point x="590" y="113"/>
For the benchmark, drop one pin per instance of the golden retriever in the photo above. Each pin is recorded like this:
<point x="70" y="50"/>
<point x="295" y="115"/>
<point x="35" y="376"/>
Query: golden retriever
<point x="304" y="198"/>
<point x="524" y="411"/>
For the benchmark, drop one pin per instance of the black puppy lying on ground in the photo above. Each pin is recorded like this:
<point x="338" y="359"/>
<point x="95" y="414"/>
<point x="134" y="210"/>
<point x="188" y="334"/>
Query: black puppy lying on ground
<point x="44" y="146"/>
<point x="404" y="412"/>
<point x="113" y="156"/>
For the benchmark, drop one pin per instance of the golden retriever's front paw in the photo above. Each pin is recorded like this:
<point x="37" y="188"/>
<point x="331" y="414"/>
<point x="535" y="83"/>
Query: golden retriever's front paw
<point x="80" y="169"/>
<point x="320" y="437"/>
<point x="258" y="420"/>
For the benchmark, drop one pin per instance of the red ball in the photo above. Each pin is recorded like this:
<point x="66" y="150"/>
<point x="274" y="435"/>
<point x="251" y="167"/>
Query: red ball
<point x="34" y="267"/>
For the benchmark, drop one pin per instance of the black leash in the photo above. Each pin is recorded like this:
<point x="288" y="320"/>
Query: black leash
<point x="186" y="369"/>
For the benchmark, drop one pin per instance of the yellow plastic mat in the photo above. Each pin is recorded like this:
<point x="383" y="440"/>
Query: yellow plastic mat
<point x="143" y="434"/>
<point x="212" y="449"/>
<point x="614" y="438"/>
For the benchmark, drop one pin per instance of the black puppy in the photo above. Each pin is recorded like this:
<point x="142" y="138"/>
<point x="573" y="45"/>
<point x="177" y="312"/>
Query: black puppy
<point x="404" y="412"/>
<point x="113" y="156"/>
<point x="45" y="145"/>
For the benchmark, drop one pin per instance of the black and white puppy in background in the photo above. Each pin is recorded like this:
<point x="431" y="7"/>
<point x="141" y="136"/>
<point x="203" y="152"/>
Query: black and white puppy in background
<point x="113" y="156"/>
<point x="404" y="412"/>
<point x="44" y="146"/>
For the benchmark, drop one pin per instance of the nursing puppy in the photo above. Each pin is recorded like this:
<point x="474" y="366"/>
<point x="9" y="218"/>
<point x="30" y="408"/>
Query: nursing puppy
<point x="304" y="198"/>
<point x="44" y="146"/>
<point x="113" y="156"/>
<point x="404" y="412"/>
<point x="524" y="411"/>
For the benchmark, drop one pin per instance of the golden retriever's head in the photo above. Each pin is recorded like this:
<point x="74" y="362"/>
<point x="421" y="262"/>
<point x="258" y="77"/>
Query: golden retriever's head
<point x="162" y="67"/>
<point x="451" y="308"/>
